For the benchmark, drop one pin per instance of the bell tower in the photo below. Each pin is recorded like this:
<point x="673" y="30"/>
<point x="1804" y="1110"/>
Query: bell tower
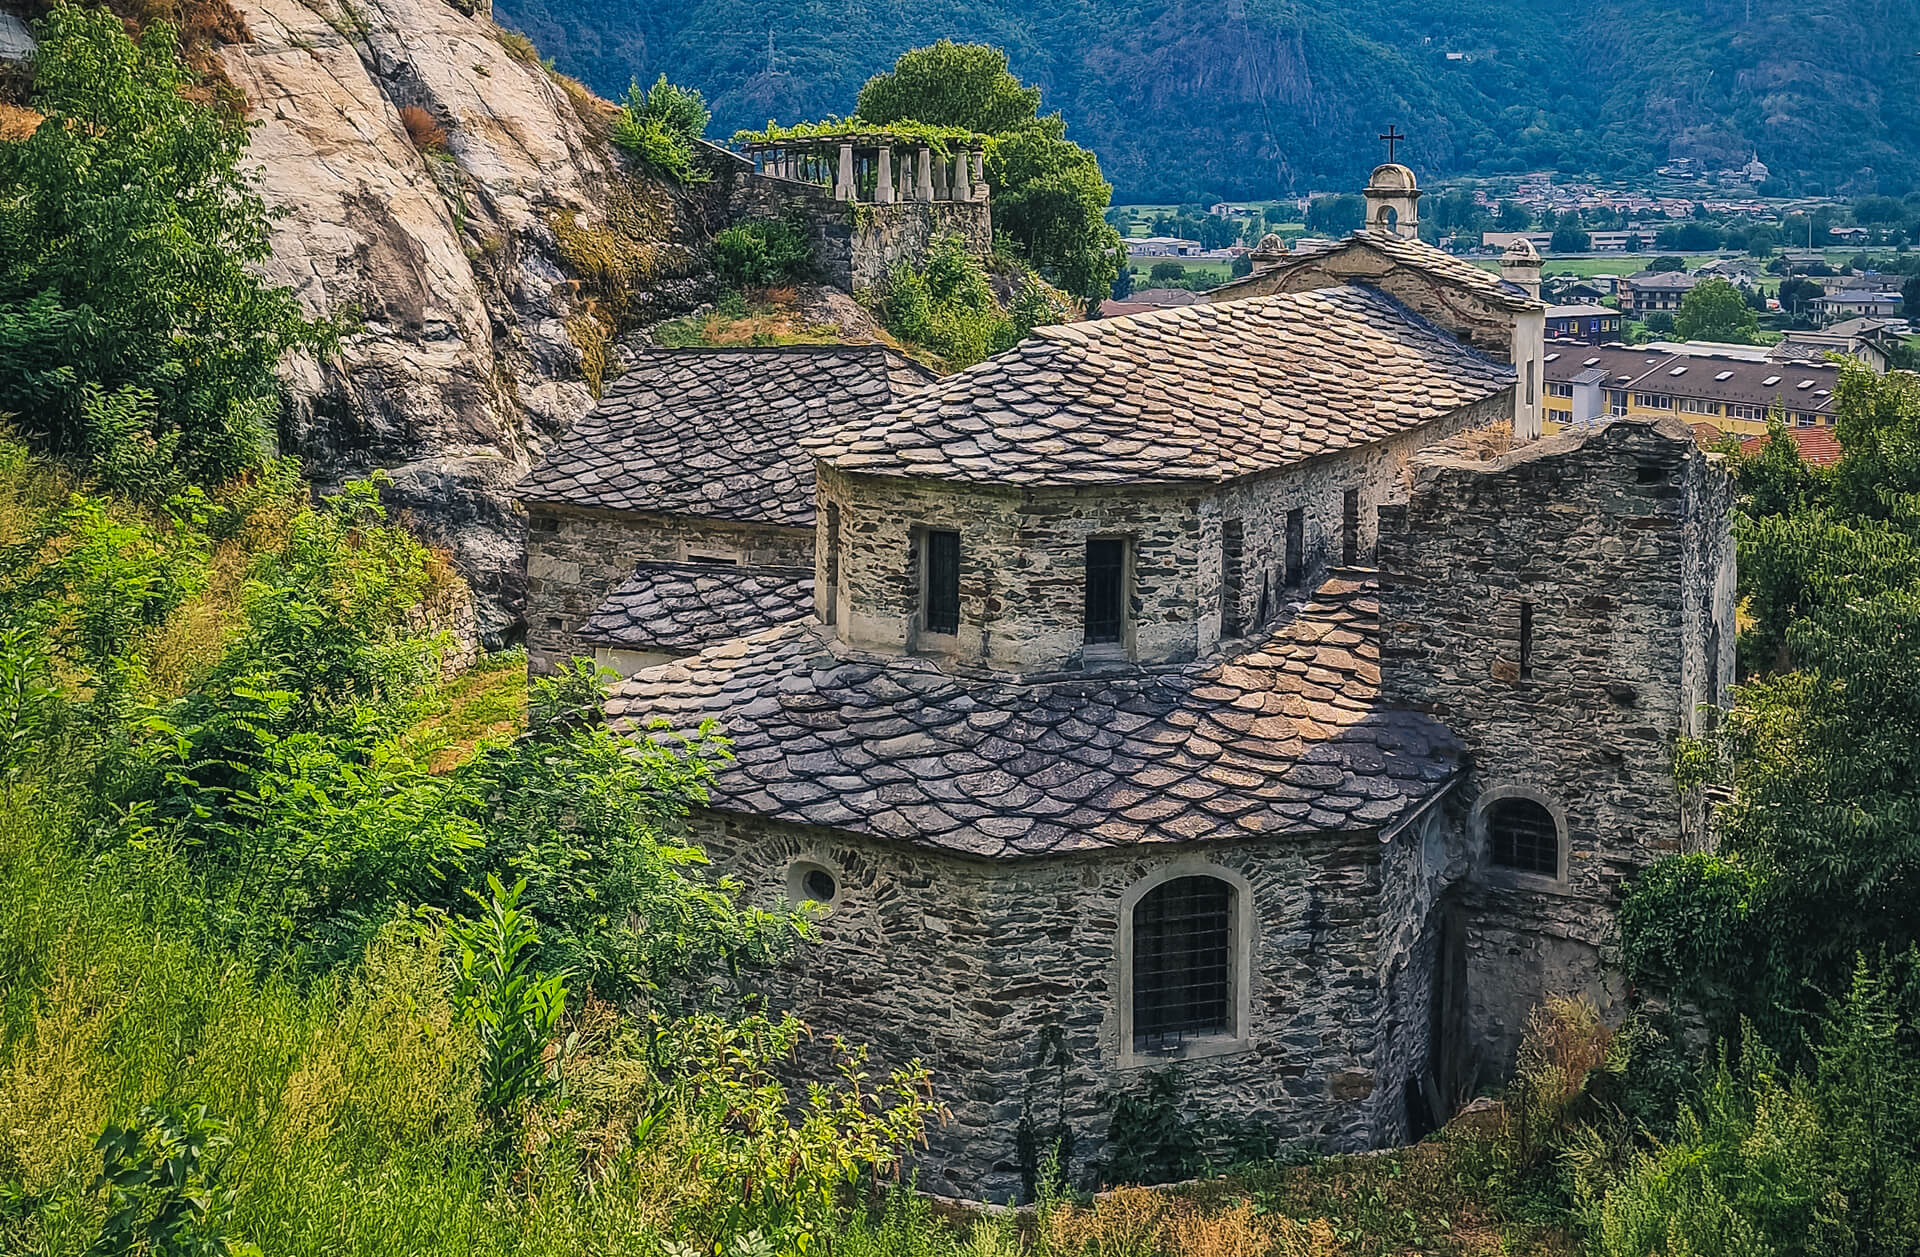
<point x="1393" y="194"/>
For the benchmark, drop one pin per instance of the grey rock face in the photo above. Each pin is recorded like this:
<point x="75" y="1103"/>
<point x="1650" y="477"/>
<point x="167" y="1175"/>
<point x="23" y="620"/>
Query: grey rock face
<point x="458" y="365"/>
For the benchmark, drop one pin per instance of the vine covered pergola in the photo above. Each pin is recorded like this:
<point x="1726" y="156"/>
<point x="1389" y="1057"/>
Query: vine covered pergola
<point x="877" y="165"/>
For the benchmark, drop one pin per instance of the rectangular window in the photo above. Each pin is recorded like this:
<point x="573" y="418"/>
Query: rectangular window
<point x="1296" y="547"/>
<point x="1233" y="575"/>
<point x="1526" y="640"/>
<point x="1106" y="589"/>
<point x="833" y="560"/>
<point x="1530" y="367"/>
<point x="1616" y="403"/>
<point x="942" y="610"/>
<point x="1350" y="527"/>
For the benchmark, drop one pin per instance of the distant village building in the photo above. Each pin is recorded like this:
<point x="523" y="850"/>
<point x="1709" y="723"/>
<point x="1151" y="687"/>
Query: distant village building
<point x="1595" y="324"/>
<point x="1854" y="303"/>
<point x="1755" y="171"/>
<point x="1656" y="292"/>
<point x="1221" y="689"/>
<point x="1164" y="247"/>
<point x="1588" y="385"/>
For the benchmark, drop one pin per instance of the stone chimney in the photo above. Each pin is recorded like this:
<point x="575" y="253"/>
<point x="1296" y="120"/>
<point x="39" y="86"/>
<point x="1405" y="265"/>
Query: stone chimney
<point x="1520" y="265"/>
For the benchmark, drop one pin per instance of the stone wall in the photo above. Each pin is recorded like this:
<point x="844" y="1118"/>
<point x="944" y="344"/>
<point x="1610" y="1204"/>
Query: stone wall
<point x="576" y="556"/>
<point x="1619" y="540"/>
<point x="1005" y="978"/>
<point x="1023" y="553"/>
<point x="855" y="244"/>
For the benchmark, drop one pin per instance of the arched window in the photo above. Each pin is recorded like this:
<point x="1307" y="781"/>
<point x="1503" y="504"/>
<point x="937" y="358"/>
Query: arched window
<point x="1522" y="835"/>
<point x="1182" y="963"/>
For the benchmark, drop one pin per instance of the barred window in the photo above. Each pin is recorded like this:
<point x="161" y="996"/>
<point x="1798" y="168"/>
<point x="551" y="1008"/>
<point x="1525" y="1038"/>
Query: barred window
<point x="1106" y="589"/>
<point x="1181" y="969"/>
<point x="943" y="582"/>
<point x="1523" y="836"/>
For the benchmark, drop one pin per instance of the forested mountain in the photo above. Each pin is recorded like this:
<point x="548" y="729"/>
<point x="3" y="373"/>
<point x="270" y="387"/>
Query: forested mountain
<point x="1252" y="97"/>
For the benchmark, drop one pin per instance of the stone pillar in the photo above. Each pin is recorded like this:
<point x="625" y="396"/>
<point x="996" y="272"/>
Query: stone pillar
<point x="843" y="178"/>
<point x="962" y="185"/>
<point x="883" y="182"/>
<point x="941" y="189"/>
<point x="979" y="174"/>
<point x="923" y="174"/>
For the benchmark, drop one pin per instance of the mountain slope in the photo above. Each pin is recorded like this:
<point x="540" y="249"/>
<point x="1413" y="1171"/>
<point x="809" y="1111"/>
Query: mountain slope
<point x="1250" y="97"/>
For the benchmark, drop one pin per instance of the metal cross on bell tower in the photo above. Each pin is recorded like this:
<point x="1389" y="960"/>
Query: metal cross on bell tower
<point x="1392" y="137"/>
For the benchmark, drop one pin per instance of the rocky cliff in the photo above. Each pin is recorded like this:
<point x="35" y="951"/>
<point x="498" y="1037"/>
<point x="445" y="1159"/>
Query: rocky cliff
<point x="480" y="249"/>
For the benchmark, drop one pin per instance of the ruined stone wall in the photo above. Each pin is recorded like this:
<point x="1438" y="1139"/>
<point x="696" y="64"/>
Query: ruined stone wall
<point x="1023" y="553"/>
<point x="576" y="556"/>
<point x="1005" y="978"/>
<point x="855" y="244"/>
<point x="1611" y="536"/>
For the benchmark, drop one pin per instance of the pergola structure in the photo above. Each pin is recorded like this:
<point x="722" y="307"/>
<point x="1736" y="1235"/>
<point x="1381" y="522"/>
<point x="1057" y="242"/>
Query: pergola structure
<point x="878" y="167"/>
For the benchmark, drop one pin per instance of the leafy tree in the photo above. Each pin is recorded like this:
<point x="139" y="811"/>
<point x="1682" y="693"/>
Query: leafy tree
<point x="1762" y="241"/>
<point x="134" y="329"/>
<point x="1570" y="238"/>
<point x="1667" y="264"/>
<point x="951" y="85"/>
<point x="1716" y="311"/>
<point x="1167" y="272"/>
<point x="1820" y="838"/>
<point x="1049" y="196"/>
<point x="1513" y="216"/>
<point x="1336" y="215"/>
<point x="1910" y="296"/>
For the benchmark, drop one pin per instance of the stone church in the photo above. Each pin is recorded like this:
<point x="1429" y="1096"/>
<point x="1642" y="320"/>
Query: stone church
<point x="1245" y="690"/>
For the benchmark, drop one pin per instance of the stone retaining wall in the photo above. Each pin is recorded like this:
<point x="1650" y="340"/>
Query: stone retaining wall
<point x="855" y="244"/>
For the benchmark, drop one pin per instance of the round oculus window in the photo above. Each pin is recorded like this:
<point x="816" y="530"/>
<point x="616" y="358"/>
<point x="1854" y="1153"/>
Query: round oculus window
<point x="810" y="881"/>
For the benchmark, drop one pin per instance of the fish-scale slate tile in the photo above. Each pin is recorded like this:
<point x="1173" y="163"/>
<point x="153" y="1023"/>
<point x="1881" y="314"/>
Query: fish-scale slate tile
<point x="1201" y="392"/>
<point x="1419" y="253"/>
<point x="895" y="747"/>
<point x="690" y="606"/>
<point x="715" y="432"/>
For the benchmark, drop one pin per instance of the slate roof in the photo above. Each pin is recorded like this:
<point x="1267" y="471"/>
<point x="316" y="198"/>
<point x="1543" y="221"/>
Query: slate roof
<point x="714" y="432"/>
<point x="1288" y="739"/>
<point x="689" y="606"/>
<point x="1202" y="392"/>
<point x="1476" y="279"/>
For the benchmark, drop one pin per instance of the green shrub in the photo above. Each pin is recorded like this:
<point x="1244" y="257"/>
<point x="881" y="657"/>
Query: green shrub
<point x="659" y="126"/>
<point x="947" y="306"/>
<point x="762" y="253"/>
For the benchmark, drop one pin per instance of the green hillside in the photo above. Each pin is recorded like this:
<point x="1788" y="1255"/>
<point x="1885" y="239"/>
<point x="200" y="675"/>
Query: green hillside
<point x="1247" y="98"/>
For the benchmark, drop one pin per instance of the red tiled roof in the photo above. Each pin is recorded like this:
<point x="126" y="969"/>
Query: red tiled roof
<point x="1817" y="445"/>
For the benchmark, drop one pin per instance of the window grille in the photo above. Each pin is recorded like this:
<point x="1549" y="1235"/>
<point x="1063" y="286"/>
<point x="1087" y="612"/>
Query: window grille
<point x="1350" y="526"/>
<point x="943" y="582"/>
<point x="1181" y="968"/>
<point x="832" y="590"/>
<point x="1524" y="837"/>
<point x="1296" y="551"/>
<point x="1106" y="580"/>
<point x="1233" y="549"/>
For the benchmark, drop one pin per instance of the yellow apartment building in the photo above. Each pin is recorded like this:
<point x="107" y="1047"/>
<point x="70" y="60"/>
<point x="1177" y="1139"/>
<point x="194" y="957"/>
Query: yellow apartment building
<point x="1589" y="383"/>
